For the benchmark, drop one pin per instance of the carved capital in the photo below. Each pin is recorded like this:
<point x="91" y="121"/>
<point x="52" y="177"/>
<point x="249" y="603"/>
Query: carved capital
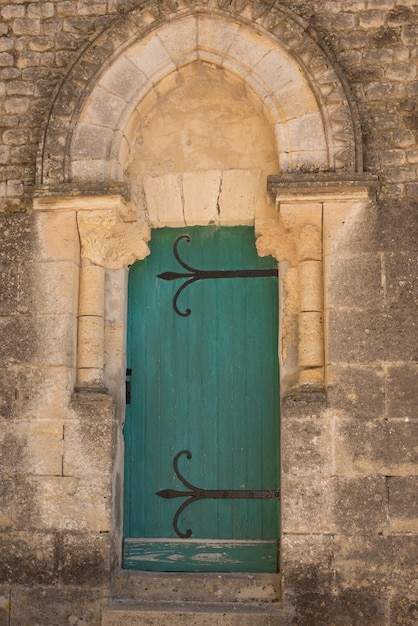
<point x="111" y="239"/>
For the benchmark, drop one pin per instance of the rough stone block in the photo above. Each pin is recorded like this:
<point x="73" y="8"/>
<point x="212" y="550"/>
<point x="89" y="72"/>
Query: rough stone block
<point x="248" y="48"/>
<point x="401" y="285"/>
<point x="25" y="504"/>
<point x="344" y="21"/>
<point x="358" y="391"/>
<point x="412" y="191"/>
<point x="123" y="79"/>
<point x="14" y="458"/>
<point x="17" y="238"/>
<point x="58" y="236"/>
<point x="356" y="336"/>
<point x="38" y="391"/>
<point x="354" y="281"/>
<point x="403" y="609"/>
<point x="88" y="447"/>
<point x="391" y="158"/>
<point x="363" y="561"/>
<point x="403" y="504"/>
<point x="18" y="343"/>
<point x="17" y="106"/>
<point x="16" y="137"/>
<point x="368" y="336"/>
<point x="372" y="19"/>
<point x="41" y="10"/>
<point x="201" y="197"/>
<point x="75" y="504"/>
<point x="91" y="141"/>
<point x="26" y="557"/>
<point x="84" y="559"/>
<point x="295" y="99"/>
<point x="349" y="228"/>
<point x="4" y="152"/>
<point x="403" y="580"/>
<point x="306" y="505"/>
<point x="238" y="187"/>
<point x="51" y="606"/>
<point x="359" y="505"/>
<point x="401" y="72"/>
<point x="57" y="288"/>
<point x="151" y="57"/>
<point x="306" y="446"/>
<point x="164" y="200"/>
<point x="398" y="227"/>
<point x="401" y="391"/>
<point x="307" y="567"/>
<point x="90" y="170"/>
<point x="26" y="26"/>
<point x="278" y="72"/>
<point x="307" y="135"/>
<point x="10" y="11"/>
<point x="56" y="341"/>
<point x="359" y="606"/>
<point x="373" y="448"/>
<point x="45" y="447"/>
<point x="401" y="334"/>
<point x="104" y="108"/>
<point x="6" y="501"/>
<point x="5" y="605"/>
<point x="174" y="40"/>
<point x="6" y="59"/>
<point x="9" y="292"/>
<point x="216" y="34"/>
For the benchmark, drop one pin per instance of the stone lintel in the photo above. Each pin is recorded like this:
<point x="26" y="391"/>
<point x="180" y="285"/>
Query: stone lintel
<point x="68" y="190"/>
<point x="81" y="201"/>
<point x="321" y="186"/>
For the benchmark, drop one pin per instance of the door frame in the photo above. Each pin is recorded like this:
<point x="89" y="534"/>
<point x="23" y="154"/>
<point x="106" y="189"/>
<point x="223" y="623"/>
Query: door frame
<point x="136" y="549"/>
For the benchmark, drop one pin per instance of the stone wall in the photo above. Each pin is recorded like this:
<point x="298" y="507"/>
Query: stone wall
<point x="350" y="517"/>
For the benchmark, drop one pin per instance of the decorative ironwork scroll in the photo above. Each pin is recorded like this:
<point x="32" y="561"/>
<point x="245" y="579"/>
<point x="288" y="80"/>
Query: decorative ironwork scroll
<point x="196" y="493"/>
<point x="193" y="274"/>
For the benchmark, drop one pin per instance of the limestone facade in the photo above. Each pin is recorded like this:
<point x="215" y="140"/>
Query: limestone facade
<point x="297" y="118"/>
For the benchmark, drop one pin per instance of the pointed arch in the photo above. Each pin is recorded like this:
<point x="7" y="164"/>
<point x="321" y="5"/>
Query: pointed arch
<point x="90" y="125"/>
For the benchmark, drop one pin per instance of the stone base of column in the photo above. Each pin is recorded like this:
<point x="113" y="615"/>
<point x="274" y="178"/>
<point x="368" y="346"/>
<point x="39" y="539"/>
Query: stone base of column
<point x="90" y="387"/>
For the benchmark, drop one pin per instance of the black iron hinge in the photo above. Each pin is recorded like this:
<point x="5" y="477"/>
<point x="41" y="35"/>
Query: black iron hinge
<point x="128" y="386"/>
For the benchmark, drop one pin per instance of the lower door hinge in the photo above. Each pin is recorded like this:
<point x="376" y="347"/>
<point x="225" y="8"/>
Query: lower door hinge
<point x="128" y="386"/>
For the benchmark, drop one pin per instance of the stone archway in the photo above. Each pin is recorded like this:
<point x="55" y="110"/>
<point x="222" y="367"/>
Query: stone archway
<point x="85" y="177"/>
<point x="91" y="133"/>
<point x="90" y="126"/>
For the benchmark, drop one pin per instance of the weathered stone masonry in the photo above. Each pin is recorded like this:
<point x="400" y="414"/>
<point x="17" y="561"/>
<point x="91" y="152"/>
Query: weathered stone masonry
<point x="331" y="88"/>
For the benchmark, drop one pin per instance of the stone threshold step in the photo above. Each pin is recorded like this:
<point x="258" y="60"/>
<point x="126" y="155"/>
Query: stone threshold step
<point x="133" y="613"/>
<point x="196" y="587"/>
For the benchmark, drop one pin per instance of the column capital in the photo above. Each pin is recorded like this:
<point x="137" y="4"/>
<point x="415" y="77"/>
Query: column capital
<point x="112" y="233"/>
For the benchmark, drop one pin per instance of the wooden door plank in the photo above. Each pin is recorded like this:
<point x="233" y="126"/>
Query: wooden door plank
<point x="204" y="556"/>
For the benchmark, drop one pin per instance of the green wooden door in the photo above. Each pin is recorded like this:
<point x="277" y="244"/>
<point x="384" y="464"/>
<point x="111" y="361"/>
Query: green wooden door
<point x="204" y="410"/>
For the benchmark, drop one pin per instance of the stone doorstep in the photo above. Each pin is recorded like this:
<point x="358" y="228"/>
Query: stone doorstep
<point x="133" y="613"/>
<point x="196" y="587"/>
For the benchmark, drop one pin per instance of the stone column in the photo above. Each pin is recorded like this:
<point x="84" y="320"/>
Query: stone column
<point x="107" y="233"/>
<point x="308" y="208"/>
<point x="111" y="238"/>
<point x="311" y="314"/>
<point x="90" y="340"/>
